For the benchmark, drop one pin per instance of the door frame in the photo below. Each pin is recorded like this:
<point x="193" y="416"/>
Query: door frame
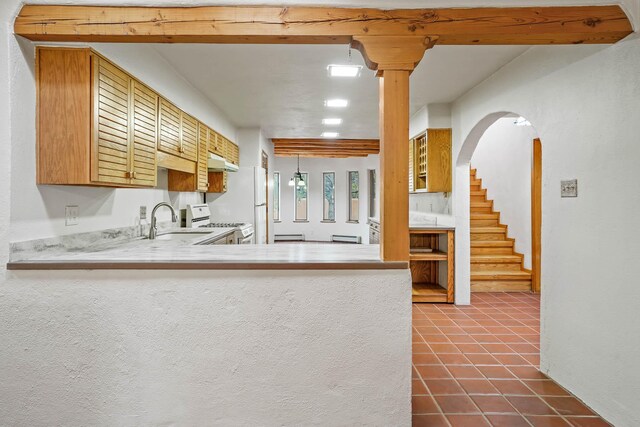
<point x="536" y="215"/>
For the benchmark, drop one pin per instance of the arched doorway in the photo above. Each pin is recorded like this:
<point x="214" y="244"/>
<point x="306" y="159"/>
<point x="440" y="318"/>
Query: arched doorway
<point x="499" y="237"/>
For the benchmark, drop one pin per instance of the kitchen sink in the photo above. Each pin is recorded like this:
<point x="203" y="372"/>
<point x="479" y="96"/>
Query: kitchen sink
<point x="182" y="237"/>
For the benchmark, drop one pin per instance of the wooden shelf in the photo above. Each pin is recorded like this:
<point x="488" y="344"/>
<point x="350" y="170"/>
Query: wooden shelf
<point x="428" y="256"/>
<point x="428" y="292"/>
<point x="426" y="262"/>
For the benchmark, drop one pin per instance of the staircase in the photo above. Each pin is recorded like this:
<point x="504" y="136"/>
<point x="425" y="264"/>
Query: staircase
<point x="495" y="266"/>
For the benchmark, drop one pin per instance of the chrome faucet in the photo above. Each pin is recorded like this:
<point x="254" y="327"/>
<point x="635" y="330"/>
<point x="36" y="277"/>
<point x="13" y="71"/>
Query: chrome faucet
<point x="153" y="231"/>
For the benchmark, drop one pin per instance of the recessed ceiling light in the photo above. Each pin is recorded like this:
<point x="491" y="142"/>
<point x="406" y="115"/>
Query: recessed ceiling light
<point x="329" y="134"/>
<point x="336" y="103"/>
<point x="332" y="121"/>
<point x="336" y="70"/>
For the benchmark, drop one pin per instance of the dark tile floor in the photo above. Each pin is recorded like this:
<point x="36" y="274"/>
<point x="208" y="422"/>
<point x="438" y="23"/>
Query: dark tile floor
<point x="478" y="366"/>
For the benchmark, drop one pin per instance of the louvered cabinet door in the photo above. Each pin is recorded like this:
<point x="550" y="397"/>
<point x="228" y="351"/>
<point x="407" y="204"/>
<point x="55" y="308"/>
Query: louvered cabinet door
<point x="226" y="149"/>
<point x="110" y="148"/>
<point x="203" y="155"/>
<point x="215" y="142"/>
<point x="169" y="128"/>
<point x="145" y="130"/>
<point x="189" y="137"/>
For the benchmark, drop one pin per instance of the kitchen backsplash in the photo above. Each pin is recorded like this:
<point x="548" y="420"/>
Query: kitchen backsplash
<point x="430" y="202"/>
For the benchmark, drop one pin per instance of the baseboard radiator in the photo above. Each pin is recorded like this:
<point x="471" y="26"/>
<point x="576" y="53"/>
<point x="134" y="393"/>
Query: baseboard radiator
<point x="345" y="239"/>
<point x="289" y="238"/>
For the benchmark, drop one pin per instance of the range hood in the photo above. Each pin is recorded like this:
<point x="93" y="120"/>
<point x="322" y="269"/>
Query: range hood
<point x="217" y="163"/>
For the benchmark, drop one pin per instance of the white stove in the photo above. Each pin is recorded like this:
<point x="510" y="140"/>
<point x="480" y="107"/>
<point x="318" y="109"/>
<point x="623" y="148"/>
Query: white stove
<point x="199" y="216"/>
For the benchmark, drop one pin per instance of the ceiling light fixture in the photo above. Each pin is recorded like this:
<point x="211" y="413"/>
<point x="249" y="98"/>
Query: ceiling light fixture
<point x="336" y="103"/>
<point x="297" y="176"/>
<point x="337" y="70"/>
<point x="521" y="121"/>
<point x="329" y="134"/>
<point x="332" y="121"/>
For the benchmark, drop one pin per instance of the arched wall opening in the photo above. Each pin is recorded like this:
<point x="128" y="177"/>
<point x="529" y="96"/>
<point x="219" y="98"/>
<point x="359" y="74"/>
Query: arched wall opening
<point x="528" y="222"/>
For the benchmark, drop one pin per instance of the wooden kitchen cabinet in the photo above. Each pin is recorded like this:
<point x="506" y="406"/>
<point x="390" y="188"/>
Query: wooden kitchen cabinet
<point x="430" y="161"/>
<point x="432" y="250"/>
<point x="178" y="133"/>
<point x="216" y="143"/>
<point x="199" y="179"/>
<point x="218" y="182"/>
<point x="98" y="125"/>
<point x="94" y="121"/>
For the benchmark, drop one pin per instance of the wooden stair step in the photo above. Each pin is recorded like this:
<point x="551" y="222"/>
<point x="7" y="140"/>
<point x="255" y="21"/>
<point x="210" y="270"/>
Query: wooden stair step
<point x="489" y="230"/>
<point x="491" y="215"/>
<point x="480" y="267"/>
<point x="478" y="192"/>
<point x="484" y="222"/>
<point x="501" y="275"/>
<point x="496" y="259"/>
<point x="492" y="243"/>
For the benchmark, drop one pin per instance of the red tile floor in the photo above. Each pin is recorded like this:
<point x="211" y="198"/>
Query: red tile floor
<point x="478" y="366"/>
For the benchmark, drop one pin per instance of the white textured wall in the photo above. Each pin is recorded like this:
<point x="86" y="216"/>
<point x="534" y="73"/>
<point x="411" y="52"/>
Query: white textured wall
<point x="503" y="159"/>
<point x="38" y="211"/>
<point x="583" y="101"/>
<point x="315" y="229"/>
<point x="276" y="348"/>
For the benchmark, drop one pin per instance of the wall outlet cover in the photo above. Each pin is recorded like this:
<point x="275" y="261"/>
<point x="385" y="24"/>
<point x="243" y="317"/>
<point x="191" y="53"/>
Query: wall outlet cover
<point x="569" y="188"/>
<point x="143" y="212"/>
<point x="71" y="214"/>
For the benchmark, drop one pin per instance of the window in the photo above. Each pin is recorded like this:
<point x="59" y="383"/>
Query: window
<point x="329" y="196"/>
<point x="354" y="196"/>
<point x="301" y="198"/>
<point x="372" y="193"/>
<point x="276" y="196"/>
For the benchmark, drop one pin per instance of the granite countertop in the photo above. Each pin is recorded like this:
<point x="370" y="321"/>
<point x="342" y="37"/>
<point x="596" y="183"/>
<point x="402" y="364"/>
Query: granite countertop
<point x="188" y="253"/>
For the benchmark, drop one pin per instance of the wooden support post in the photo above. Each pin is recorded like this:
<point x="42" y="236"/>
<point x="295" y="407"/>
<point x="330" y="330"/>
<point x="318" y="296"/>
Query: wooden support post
<point x="394" y="58"/>
<point x="394" y="165"/>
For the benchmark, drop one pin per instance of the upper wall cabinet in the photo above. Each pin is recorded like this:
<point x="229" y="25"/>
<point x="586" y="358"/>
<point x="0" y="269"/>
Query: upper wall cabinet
<point x="430" y="161"/>
<point x="96" y="124"/>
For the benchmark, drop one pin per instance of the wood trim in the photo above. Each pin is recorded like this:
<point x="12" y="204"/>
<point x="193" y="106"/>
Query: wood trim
<point x="394" y="168"/>
<point x="323" y="147"/>
<point x="536" y="216"/>
<point x="169" y="161"/>
<point x="451" y="272"/>
<point x="326" y="25"/>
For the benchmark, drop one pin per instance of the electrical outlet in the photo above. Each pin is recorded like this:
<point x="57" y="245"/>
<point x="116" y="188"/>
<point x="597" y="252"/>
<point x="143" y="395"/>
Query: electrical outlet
<point x="569" y="188"/>
<point x="71" y="214"/>
<point x="143" y="212"/>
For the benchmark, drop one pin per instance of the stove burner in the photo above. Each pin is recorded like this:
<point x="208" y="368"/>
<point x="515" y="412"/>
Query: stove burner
<point x="223" y="224"/>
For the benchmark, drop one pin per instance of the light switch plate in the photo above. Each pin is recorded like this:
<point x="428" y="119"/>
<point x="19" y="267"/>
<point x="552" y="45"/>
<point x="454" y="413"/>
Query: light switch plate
<point x="569" y="188"/>
<point x="71" y="214"/>
<point x="143" y="212"/>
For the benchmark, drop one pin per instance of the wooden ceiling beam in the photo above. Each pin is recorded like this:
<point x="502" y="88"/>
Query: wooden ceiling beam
<point x="326" y="25"/>
<point x="322" y="147"/>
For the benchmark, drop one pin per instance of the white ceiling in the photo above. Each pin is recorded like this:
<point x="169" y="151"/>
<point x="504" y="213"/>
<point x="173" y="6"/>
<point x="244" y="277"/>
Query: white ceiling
<point x="281" y="88"/>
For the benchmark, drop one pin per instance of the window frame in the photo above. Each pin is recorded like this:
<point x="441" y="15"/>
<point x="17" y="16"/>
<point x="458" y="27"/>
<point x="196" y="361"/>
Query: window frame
<point x="324" y="200"/>
<point x="372" y="182"/>
<point x="350" y="199"/>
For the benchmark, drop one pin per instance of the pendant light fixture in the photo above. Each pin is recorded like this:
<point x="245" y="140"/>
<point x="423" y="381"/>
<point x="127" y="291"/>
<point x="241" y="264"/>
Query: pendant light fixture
<point x="297" y="175"/>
